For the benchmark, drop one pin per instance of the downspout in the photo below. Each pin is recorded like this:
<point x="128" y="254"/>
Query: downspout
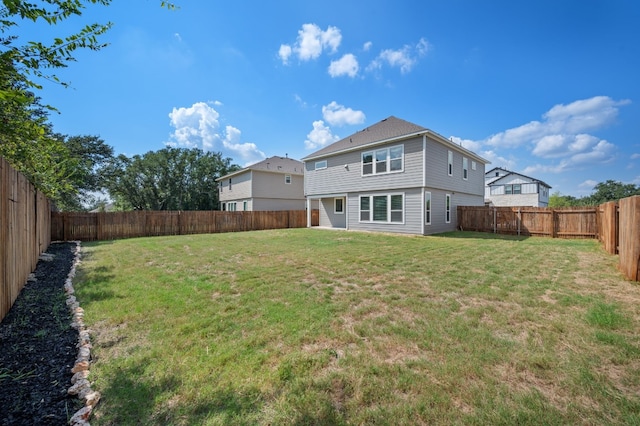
<point x="424" y="182"/>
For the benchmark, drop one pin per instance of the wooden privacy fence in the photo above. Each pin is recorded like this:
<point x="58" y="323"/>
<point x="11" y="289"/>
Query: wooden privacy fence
<point x="116" y="225"/>
<point x="24" y="232"/>
<point x="576" y="222"/>
<point x="615" y="224"/>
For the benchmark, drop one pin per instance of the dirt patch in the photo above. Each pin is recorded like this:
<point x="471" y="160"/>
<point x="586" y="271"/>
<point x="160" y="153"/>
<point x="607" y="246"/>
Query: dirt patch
<point x="39" y="348"/>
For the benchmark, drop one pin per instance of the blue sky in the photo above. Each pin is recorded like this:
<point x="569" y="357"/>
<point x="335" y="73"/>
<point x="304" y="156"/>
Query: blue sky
<point x="550" y="89"/>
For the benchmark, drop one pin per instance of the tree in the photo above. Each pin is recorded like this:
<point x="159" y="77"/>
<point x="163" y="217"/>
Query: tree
<point x="168" y="179"/>
<point x="90" y="155"/>
<point x="611" y="191"/>
<point x="557" y="200"/>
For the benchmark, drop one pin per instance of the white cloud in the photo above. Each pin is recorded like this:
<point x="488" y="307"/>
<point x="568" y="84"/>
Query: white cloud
<point x="473" y="146"/>
<point x="337" y="115"/>
<point x="404" y="58"/>
<point x="588" y="184"/>
<point x="635" y="156"/>
<point x="284" y="53"/>
<point x="347" y="65"/>
<point x="562" y="135"/>
<point x="367" y="46"/>
<point x="311" y="42"/>
<point x="198" y="126"/>
<point x="320" y="136"/>
<point x="249" y="152"/>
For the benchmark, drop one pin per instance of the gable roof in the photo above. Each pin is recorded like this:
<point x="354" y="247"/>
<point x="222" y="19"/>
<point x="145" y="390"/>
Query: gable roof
<point x="273" y="164"/>
<point x="510" y="173"/>
<point x="387" y="130"/>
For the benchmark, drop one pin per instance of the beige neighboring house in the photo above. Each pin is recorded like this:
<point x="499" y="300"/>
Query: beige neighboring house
<point x="276" y="183"/>
<point x="504" y="188"/>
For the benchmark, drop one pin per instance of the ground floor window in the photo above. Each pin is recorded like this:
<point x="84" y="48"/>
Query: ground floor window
<point x="387" y="208"/>
<point x="447" y="213"/>
<point x="231" y="207"/>
<point x="338" y="205"/>
<point x="427" y="208"/>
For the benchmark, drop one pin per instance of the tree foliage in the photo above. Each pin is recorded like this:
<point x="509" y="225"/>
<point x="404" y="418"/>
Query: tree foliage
<point x="91" y="155"/>
<point x="609" y="190"/>
<point x="168" y="179"/>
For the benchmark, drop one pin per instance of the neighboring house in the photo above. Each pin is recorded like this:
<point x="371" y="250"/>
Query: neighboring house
<point x="276" y="183"/>
<point x="393" y="176"/>
<point x="504" y="188"/>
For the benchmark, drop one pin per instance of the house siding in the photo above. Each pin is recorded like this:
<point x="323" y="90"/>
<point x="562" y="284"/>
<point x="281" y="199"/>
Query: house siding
<point x="240" y="188"/>
<point x="327" y="216"/>
<point x="272" y="185"/>
<point x="437" y="175"/>
<point x="338" y="178"/>
<point x="277" y="204"/>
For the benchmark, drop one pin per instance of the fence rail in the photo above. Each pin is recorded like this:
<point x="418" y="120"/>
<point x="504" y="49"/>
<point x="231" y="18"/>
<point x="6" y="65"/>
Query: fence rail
<point x="569" y="222"/>
<point x="116" y="225"/>
<point x="25" y="232"/>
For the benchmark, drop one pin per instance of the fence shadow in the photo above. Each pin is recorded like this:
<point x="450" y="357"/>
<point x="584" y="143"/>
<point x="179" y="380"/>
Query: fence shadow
<point x="481" y="235"/>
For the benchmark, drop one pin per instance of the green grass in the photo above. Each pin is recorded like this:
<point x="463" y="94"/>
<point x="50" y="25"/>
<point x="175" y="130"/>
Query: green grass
<point x="311" y="326"/>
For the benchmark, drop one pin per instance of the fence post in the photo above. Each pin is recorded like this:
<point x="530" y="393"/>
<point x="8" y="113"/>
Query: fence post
<point x="629" y="247"/>
<point x="554" y="224"/>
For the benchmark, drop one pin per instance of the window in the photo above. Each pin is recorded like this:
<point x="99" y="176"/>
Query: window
<point x="513" y="189"/>
<point x="338" y="205"/>
<point x="450" y="161"/>
<point x="287" y="179"/>
<point x="447" y="213"/>
<point x="384" y="160"/>
<point x="231" y="207"/>
<point x="427" y="208"/>
<point x="465" y="168"/>
<point x="244" y="206"/>
<point x="365" y="209"/>
<point x="321" y="164"/>
<point x="229" y="184"/>
<point x="388" y="208"/>
<point x="473" y="165"/>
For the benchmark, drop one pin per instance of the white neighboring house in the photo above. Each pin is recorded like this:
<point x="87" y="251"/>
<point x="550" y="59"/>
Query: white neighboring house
<point x="504" y="188"/>
<point x="276" y="183"/>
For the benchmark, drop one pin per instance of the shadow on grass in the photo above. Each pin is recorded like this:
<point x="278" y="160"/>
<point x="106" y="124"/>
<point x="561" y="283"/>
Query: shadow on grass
<point x="481" y="236"/>
<point x="130" y="397"/>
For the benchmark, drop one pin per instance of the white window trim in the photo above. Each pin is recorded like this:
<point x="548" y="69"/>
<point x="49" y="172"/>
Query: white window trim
<point x="429" y="209"/>
<point x="335" y="205"/>
<point x="287" y="179"/>
<point x="388" y="221"/>
<point x="450" y="163"/>
<point x="320" y="165"/>
<point x="447" y="208"/>
<point x="473" y="165"/>
<point x="388" y="161"/>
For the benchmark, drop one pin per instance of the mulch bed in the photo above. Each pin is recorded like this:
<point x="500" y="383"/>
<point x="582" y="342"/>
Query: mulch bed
<point x="38" y="348"/>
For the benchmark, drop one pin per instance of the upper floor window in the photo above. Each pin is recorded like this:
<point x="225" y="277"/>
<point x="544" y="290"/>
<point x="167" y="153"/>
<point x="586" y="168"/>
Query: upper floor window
<point x="465" y="168"/>
<point x="384" y="160"/>
<point x="229" y="184"/>
<point x="287" y="179"/>
<point x="513" y="189"/>
<point x="450" y="163"/>
<point x="321" y="164"/>
<point x="473" y="165"/>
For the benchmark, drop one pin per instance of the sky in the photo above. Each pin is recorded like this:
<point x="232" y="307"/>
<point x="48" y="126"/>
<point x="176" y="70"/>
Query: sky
<point x="549" y="89"/>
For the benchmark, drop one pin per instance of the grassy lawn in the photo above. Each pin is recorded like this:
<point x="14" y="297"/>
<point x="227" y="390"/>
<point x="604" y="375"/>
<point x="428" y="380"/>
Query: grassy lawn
<point x="309" y="326"/>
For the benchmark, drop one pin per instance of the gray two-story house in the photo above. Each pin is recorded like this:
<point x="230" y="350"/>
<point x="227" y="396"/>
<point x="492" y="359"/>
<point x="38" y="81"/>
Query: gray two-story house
<point x="393" y="176"/>
<point x="275" y="183"/>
